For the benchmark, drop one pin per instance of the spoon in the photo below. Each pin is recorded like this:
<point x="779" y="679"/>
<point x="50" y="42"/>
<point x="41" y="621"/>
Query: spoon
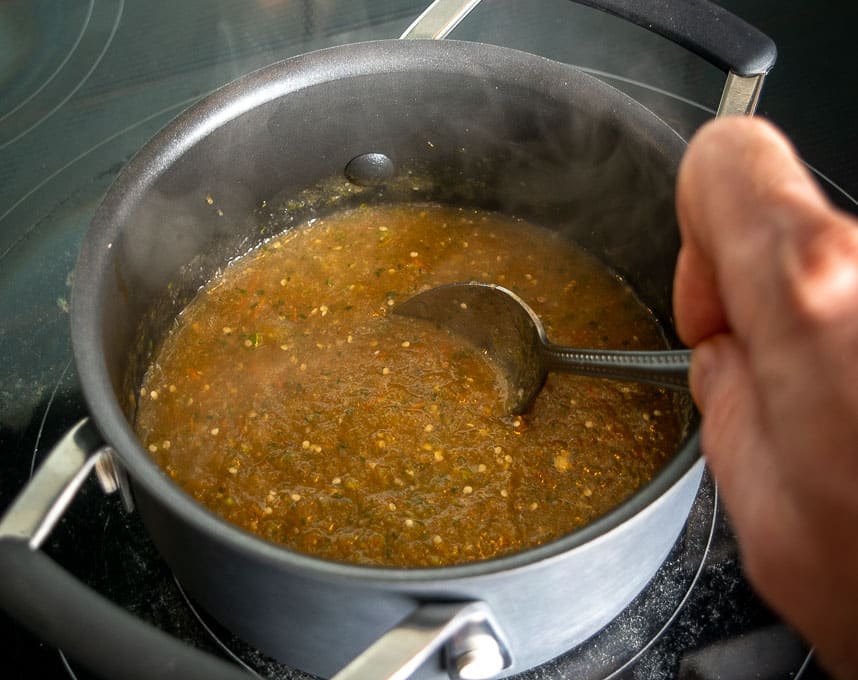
<point x="501" y="324"/>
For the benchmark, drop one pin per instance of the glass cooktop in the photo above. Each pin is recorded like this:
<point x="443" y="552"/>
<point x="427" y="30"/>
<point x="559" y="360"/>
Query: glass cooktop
<point x="84" y="84"/>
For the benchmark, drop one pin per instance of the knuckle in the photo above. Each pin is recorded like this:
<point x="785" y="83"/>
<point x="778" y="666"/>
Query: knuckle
<point x="821" y="271"/>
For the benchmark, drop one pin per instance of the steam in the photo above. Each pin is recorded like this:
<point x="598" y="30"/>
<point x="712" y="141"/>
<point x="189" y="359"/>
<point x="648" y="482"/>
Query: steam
<point x="466" y="125"/>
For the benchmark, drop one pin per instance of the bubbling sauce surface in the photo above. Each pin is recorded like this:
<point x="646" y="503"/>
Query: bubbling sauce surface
<point x="288" y="399"/>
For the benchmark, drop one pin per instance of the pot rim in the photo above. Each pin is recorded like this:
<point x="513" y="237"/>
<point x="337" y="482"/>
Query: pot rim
<point x="189" y="128"/>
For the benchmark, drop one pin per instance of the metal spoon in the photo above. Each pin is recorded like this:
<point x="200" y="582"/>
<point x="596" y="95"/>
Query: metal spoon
<point x="502" y="325"/>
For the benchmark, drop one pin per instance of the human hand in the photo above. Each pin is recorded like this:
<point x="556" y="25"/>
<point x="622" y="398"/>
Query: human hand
<point x="766" y="292"/>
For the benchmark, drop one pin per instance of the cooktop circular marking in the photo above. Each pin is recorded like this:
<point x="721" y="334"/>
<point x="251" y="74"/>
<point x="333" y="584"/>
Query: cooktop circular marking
<point x="81" y="81"/>
<point x="57" y="70"/>
<point x="645" y="86"/>
<point x="77" y="158"/>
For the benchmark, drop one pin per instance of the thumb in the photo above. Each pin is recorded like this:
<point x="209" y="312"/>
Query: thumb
<point x="732" y="433"/>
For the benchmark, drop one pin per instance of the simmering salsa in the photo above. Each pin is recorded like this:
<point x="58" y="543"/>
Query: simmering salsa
<point x="290" y="400"/>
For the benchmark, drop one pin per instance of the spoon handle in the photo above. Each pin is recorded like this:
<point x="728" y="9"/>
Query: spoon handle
<point x="667" y="368"/>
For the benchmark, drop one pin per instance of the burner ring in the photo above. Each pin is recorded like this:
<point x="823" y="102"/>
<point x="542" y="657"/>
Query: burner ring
<point x="49" y="75"/>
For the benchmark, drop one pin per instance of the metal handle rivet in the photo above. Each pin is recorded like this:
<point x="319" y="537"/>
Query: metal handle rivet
<point x="480" y="658"/>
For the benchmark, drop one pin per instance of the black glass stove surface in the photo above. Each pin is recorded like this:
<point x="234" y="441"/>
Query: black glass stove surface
<point x="83" y="85"/>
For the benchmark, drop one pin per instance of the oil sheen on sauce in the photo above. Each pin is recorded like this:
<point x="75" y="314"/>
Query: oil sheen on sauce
<point x="288" y="399"/>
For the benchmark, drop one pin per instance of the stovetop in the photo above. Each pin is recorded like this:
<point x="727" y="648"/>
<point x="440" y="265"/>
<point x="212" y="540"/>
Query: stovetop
<point x="83" y="85"/>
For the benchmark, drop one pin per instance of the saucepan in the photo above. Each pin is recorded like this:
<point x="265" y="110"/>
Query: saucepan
<point x="457" y="122"/>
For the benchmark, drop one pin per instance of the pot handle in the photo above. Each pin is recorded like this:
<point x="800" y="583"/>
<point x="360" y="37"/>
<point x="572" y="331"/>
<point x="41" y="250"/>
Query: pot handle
<point x="61" y="610"/>
<point x="710" y="31"/>
<point x="473" y="645"/>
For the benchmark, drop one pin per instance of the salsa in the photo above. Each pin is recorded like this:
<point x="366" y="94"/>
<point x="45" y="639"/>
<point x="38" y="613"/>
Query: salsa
<point x="288" y="399"/>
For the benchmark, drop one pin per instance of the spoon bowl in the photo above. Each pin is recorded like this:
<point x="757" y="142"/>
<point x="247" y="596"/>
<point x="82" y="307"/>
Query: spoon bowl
<point x="503" y="326"/>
